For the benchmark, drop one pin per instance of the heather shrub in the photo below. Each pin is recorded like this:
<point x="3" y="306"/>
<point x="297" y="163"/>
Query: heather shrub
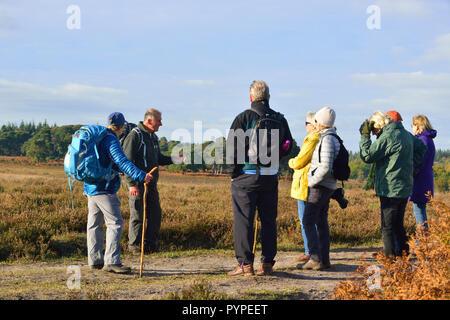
<point x="423" y="277"/>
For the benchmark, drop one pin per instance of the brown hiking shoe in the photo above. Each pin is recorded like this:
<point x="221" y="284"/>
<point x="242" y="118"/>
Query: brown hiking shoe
<point x="244" y="269"/>
<point x="265" y="269"/>
<point x="302" y="258"/>
<point x="117" y="268"/>
<point x="311" y="265"/>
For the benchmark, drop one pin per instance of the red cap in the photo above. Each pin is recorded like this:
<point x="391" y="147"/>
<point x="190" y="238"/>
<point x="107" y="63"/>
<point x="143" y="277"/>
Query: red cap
<point x="394" y="115"/>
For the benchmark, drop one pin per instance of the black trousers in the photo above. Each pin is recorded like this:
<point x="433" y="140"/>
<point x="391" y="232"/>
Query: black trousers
<point x="249" y="193"/>
<point x="153" y="217"/>
<point x="392" y="216"/>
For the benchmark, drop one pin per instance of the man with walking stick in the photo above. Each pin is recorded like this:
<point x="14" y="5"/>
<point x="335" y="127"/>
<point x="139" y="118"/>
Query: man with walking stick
<point x="141" y="146"/>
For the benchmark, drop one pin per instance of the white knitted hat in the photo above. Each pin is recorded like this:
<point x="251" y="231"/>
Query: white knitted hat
<point x="326" y="117"/>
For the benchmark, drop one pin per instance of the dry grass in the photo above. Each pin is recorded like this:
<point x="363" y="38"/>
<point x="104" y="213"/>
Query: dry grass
<point x="37" y="222"/>
<point x="425" y="277"/>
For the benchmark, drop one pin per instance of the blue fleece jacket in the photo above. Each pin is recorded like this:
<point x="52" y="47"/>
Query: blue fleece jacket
<point x="111" y="150"/>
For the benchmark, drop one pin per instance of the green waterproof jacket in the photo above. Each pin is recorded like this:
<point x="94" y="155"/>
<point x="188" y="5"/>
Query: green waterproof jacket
<point x="395" y="152"/>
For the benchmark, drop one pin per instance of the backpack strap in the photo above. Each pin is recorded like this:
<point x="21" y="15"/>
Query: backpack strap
<point x="71" y="189"/>
<point x="141" y="143"/>
<point x="329" y="134"/>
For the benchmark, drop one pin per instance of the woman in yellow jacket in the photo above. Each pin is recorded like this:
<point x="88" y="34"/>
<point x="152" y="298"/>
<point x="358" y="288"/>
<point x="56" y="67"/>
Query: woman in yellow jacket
<point x="301" y="164"/>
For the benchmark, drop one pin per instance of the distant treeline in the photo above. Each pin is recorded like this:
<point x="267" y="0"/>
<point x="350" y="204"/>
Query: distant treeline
<point x="43" y="142"/>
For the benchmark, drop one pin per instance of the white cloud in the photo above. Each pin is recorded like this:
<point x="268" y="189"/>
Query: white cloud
<point x="58" y="103"/>
<point x="395" y="80"/>
<point x="440" y="51"/>
<point x="28" y="91"/>
<point x="413" y="92"/>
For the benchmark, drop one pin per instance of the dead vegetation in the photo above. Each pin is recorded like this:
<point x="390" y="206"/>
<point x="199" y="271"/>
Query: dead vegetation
<point x="423" y="275"/>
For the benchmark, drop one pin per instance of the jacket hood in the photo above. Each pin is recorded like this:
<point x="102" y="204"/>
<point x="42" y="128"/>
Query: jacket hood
<point x="429" y="133"/>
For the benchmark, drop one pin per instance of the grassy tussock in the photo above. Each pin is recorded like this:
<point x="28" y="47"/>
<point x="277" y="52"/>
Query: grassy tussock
<point x="425" y="277"/>
<point x="198" y="290"/>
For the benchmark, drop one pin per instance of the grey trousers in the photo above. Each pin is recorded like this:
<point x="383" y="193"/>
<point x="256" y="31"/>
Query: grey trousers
<point x="153" y="217"/>
<point x="104" y="207"/>
<point x="315" y="223"/>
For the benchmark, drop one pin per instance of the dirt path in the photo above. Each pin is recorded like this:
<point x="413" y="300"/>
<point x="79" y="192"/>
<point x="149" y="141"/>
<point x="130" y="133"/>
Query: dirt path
<point x="166" y="275"/>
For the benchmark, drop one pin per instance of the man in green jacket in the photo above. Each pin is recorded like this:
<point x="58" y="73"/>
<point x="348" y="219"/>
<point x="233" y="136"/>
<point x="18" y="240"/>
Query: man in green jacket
<point x="395" y="153"/>
<point x="141" y="146"/>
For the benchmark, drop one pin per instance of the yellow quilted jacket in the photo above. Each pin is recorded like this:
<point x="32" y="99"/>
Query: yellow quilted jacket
<point x="301" y="164"/>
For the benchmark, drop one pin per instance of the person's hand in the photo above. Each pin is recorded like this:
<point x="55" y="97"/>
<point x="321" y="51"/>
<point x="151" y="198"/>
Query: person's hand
<point x="134" y="190"/>
<point x="365" y="128"/>
<point x="148" y="177"/>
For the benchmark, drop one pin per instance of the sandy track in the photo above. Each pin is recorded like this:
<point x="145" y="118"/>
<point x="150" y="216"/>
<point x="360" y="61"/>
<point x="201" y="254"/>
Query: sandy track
<point x="164" y="275"/>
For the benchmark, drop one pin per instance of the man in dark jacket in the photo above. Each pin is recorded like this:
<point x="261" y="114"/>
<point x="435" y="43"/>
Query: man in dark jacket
<point x="254" y="184"/>
<point x="141" y="146"/>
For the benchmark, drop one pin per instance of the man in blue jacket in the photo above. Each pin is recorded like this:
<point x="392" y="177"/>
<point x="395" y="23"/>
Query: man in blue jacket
<point x="104" y="204"/>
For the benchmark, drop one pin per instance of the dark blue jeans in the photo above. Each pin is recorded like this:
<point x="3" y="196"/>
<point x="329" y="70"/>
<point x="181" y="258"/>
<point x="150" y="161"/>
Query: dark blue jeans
<point x="420" y="212"/>
<point x="315" y="223"/>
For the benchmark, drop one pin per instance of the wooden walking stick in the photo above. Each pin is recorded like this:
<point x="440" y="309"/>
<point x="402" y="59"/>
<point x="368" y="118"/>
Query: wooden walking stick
<point x="143" y="223"/>
<point x="256" y="232"/>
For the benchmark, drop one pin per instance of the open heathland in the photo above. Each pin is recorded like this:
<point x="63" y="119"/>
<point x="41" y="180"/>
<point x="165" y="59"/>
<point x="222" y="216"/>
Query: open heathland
<point x="41" y="236"/>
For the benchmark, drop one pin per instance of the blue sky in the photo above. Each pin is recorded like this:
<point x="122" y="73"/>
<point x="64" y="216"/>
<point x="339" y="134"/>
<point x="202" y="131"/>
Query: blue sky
<point x="194" y="61"/>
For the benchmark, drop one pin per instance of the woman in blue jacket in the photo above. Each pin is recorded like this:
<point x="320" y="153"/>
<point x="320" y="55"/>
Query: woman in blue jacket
<point x="104" y="204"/>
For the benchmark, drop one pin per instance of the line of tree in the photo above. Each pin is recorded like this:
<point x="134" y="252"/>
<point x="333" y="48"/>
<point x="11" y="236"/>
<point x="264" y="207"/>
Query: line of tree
<point x="43" y="142"/>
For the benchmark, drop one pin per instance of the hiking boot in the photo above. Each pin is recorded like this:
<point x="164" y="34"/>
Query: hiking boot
<point x="96" y="266"/>
<point x="149" y="250"/>
<point x="311" y="265"/>
<point x="324" y="266"/>
<point x="302" y="258"/>
<point x="242" y="269"/>
<point x="265" y="269"/>
<point x="117" y="268"/>
<point x="135" y="250"/>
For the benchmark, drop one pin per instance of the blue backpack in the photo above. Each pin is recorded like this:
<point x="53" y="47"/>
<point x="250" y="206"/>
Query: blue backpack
<point x="82" y="160"/>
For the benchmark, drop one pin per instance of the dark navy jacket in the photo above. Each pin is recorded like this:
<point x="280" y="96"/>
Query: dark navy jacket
<point x="424" y="180"/>
<point x="110" y="150"/>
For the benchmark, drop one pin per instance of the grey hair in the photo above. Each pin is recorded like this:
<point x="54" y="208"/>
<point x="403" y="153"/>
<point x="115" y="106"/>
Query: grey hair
<point x="381" y="119"/>
<point x="259" y="90"/>
<point x="310" y="116"/>
<point x="150" y="113"/>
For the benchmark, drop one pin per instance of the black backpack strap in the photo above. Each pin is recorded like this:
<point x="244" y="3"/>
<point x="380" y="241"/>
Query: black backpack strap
<point x="329" y="134"/>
